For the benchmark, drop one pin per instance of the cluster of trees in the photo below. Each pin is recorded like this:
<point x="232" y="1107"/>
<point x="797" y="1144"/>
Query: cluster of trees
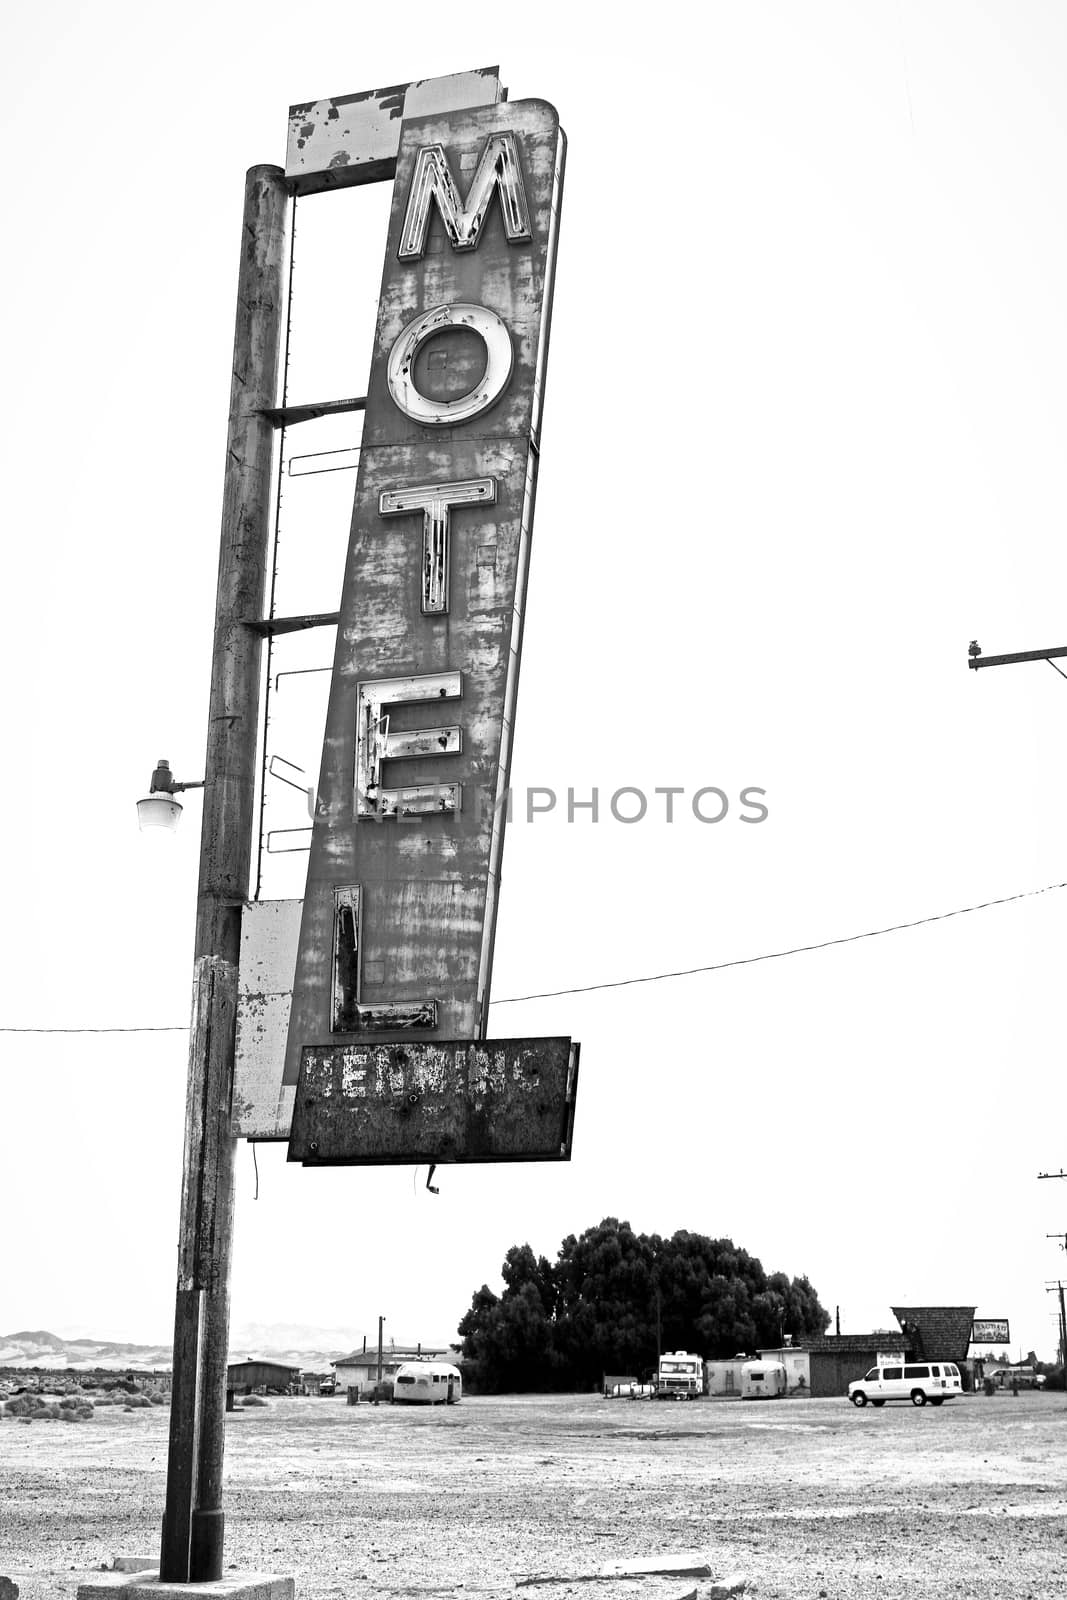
<point x="614" y="1299"/>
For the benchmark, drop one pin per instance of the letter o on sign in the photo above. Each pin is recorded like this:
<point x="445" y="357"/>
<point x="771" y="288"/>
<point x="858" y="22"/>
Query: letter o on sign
<point x="400" y="373"/>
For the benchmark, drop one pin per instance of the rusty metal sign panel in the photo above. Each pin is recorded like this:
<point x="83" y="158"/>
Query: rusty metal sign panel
<point x="453" y="1100"/>
<point x="396" y="937"/>
<point x="354" y="138"/>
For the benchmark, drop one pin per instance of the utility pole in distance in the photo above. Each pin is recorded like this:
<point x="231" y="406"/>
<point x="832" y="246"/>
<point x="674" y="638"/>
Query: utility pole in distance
<point x="1057" y="1288"/>
<point x="976" y="659"/>
<point x="1058" y="1285"/>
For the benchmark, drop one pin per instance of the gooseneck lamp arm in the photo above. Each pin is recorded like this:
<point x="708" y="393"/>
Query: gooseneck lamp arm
<point x="163" y="783"/>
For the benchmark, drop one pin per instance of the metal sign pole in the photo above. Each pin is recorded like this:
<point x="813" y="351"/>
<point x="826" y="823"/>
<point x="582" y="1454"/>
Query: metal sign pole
<point x="193" y="1520"/>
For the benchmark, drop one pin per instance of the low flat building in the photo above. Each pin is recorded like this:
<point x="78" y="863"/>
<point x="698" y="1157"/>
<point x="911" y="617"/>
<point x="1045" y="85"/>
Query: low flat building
<point x="797" y="1364"/>
<point x="838" y="1359"/>
<point x="722" y="1379"/>
<point x="360" y="1369"/>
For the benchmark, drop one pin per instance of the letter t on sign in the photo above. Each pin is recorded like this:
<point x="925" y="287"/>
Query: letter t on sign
<point x="435" y="500"/>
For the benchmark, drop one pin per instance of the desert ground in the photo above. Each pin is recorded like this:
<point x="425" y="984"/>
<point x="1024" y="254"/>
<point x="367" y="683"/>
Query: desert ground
<point x="805" y="1498"/>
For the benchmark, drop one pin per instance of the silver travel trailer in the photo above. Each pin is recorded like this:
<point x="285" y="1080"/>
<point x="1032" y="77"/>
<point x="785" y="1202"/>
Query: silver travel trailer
<point x="763" y="1380"/>
<point x="428" y="1383"/>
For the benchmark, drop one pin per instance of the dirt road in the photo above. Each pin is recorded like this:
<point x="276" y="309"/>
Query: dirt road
<point x="807" y="1498"/>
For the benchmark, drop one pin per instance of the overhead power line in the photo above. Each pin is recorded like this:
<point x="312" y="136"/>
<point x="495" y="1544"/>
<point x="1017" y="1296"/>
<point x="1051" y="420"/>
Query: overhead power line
<point x="174" y="1027"/>
<point x="777" y="955"/>
<point x="663" y="977"/>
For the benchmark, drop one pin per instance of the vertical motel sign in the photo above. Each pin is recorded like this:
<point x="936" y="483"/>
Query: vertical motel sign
<point x="387" y="1049"/>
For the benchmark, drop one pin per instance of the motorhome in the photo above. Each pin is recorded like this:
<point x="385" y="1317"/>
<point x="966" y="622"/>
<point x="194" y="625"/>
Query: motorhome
<point x="428" y="1383"/>
<point x="680" y="1376"/>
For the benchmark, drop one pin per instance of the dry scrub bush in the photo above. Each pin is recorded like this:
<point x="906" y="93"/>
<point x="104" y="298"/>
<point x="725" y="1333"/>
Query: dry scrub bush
<point x="31" y="1408"/>
<point x="75" y="1409"/>
<point x="25" y="1405"/>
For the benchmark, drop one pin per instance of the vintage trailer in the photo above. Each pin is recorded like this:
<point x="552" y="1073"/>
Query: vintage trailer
<point x="428" y="1383"/>
<point x="762" y="1380"/>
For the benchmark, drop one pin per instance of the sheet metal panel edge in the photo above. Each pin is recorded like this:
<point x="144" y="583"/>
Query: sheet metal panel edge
<point x="354" y="138"/>
<point x="426" y="882"/>
<point x="451" y="1101"/>
<point x="270" y="930"/>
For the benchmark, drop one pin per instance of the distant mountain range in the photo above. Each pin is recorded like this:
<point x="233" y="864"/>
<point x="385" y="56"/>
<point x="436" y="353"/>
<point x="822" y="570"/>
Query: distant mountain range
<point x="295" y="1344"/>
<point x="35" y="1347"/>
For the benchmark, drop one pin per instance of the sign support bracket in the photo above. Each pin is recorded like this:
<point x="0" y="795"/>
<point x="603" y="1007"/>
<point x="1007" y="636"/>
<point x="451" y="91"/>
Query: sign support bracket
<point x="289" y="416"/>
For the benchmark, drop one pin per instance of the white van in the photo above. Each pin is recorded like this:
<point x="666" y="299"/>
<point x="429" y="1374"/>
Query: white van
<point x="917" y="1381"/>
<point x="427" y="1383"/>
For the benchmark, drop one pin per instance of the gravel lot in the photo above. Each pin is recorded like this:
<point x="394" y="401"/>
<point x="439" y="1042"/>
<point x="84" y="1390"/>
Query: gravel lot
<point x="805" y="1497"/>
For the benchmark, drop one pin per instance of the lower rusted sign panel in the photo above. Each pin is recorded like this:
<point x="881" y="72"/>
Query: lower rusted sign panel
<point x="435" y="1101"/>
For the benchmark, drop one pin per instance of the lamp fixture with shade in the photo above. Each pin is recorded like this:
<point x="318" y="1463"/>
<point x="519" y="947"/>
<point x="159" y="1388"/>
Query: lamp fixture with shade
<point x="159" y="808"/>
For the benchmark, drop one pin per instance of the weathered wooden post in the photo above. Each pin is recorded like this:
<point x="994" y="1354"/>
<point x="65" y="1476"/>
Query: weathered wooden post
<point x="193" y="1520"/>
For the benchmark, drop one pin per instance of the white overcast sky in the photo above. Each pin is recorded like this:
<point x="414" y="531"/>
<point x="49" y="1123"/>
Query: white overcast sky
<point x="804" y="438"/>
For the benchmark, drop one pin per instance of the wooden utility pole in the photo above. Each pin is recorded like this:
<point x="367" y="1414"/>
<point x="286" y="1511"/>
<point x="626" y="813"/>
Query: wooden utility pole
<point x="1058" y="1285"/>
<point x="975" y="659"/>
<point x="1057" y="1288"/>
<point x="193" y="1520"/>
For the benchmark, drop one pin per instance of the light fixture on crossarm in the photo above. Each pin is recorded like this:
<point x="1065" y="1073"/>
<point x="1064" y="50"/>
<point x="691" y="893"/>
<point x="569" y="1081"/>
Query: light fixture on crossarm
<point x="159" y="809"/>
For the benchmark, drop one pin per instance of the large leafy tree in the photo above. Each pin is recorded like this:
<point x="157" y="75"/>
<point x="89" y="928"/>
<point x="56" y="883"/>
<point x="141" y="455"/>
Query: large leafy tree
<point x="615" y="1298"/>
<point x="606" y="1319"/>
<point x="509" y="1340"/>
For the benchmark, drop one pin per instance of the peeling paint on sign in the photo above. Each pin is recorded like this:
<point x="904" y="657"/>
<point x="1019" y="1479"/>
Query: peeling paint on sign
<point x="270" y="930"/>
<point x="354" y="138"/>
<point x="453" y="1100"/>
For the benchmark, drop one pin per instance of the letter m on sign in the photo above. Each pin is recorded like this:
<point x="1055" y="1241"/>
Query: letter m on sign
<point x="432" y="180"/>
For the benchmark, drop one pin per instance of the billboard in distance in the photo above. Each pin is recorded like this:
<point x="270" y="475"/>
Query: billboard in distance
<point x="991" y="1330"/>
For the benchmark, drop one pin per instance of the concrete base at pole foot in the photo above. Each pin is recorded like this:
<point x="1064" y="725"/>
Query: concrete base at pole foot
<point x="147" y="1586"/>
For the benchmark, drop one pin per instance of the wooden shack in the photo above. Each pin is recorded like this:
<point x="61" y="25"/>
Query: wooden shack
<point x="245" y="1377"/>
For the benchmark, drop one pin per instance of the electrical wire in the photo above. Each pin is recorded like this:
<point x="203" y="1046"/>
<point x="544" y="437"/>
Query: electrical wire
<point x="777" y="955"/>
<point x="663" y="977"/>
<point x="176" y="1027"/>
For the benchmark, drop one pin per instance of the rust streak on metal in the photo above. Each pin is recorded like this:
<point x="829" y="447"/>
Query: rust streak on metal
<point x="446" y="1100"/>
